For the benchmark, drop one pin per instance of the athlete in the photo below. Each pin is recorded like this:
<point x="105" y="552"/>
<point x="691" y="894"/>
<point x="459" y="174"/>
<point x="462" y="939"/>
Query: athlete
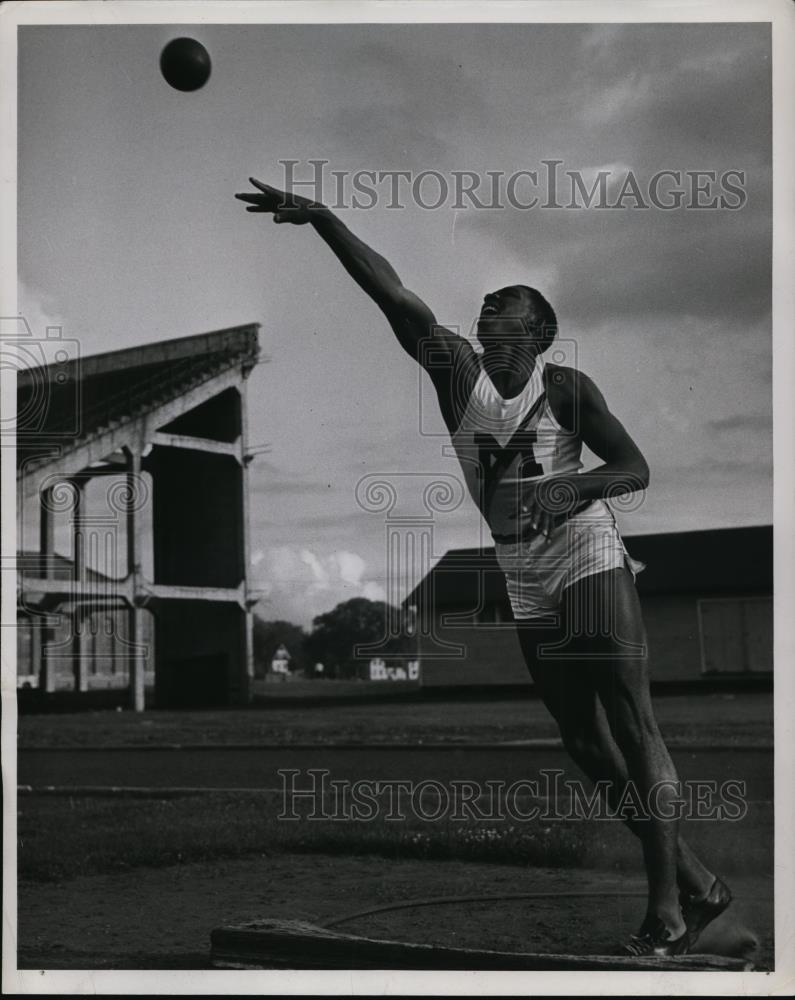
<point x="518" y="425"/>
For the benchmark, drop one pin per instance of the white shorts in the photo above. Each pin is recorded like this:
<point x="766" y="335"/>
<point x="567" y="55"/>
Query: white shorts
<point x="537" y="572"/>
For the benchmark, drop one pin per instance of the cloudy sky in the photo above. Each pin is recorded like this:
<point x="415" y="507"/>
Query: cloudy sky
<point x="129" y="233"/>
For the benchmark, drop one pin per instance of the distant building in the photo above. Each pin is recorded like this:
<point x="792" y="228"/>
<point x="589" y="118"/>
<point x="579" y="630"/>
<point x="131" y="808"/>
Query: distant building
<point x="280" y="662"/>
<point x="399" y="670"/>
<point x="707" y="599"/>
<point x="160" y="431"/>
<point x="378" y="669"/>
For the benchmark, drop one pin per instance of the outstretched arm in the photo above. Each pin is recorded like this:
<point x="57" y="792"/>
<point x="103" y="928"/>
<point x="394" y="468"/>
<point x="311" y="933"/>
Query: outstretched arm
<point x="410" y="318"/>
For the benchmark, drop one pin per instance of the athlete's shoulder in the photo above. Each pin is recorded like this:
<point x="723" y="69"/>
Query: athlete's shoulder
<point x="443" y="351"/>
<point x="569" y="390"/>
<point x="561" y="392"/>
<point x="568" y="380"/>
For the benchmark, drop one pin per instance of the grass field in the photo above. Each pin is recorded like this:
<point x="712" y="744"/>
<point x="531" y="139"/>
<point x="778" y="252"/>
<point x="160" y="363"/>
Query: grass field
<point x="740" y="719"/>
<point x="64" y="837"/>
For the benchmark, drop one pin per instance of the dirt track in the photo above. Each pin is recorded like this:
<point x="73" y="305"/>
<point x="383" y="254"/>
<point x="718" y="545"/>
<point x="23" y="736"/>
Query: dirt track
<point x="162" y="918"/>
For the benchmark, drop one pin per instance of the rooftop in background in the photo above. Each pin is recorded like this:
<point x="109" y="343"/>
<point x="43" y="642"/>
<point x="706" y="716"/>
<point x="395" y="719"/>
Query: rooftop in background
<point x="725" y="560"/>
<point x="719" y="560"/>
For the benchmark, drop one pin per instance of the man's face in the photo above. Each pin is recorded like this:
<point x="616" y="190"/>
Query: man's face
<point x="502" y="318"/>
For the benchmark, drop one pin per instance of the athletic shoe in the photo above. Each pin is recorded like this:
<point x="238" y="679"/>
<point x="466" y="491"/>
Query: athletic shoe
<point x="653" y="940"/>
<point x="697" y="912"/>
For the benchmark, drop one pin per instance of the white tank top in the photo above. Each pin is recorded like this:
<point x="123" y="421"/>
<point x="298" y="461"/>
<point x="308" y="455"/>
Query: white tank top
<point x="505" y="443"/>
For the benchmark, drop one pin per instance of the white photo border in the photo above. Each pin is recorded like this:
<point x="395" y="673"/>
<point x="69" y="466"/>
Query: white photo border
<point x="781" y="15"/>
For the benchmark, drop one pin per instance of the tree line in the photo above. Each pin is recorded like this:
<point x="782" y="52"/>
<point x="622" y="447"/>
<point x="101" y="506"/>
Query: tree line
<point x="332" y="639"/>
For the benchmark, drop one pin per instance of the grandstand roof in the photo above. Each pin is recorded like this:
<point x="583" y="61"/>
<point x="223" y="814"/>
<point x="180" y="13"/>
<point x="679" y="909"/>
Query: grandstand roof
<point x="70" y="402"/>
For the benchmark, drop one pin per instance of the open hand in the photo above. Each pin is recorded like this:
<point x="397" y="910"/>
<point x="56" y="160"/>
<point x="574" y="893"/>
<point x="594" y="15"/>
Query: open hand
<point x="283" y="206"/>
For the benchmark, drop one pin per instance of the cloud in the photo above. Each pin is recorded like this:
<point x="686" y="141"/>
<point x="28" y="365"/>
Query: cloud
<point x="331" y="525"/>
<point x="270" y="479"/>
<point x="351" y="567"/>
<point x="38" y="308"/>
<point x="760" y="466"/>
<point x="320" y="575"/>
<point x="300" y="583"/>
<point x="636" y="262"/>
<point x="600" y="36"/>
<point x="276" y="487"/>
<point x="702" y="84"/>
<point x="373" y="591"/>
<point x="744" y="422"/>
<point x="380" y="121"/>
<point x="648" y="98"/>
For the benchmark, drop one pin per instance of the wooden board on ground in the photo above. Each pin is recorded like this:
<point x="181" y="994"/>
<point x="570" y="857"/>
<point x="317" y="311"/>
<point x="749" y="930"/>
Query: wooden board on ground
<point x="297" y="944"/>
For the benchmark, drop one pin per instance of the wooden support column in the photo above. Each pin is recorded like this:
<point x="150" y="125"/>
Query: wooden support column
<point x="36" y="648"/>
<point x="46" y="551"/>
<point x="245" y="692"/>
<point x="79" y="617"/>
<point x="46" y="532"/>
<point x="135" y="614"/>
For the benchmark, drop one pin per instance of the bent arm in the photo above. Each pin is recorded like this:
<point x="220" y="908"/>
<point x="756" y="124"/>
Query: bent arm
<point x="623" y="469"/>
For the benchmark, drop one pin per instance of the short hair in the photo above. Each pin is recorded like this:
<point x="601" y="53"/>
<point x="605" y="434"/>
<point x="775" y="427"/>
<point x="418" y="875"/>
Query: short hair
<point x="541" y="319"/>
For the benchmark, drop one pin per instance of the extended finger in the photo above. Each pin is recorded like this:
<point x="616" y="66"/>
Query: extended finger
<point x="265" y="188"/>
<point x="255" y="199"/>
<point x="276" y="197"/>
<point x="257" y="208"/>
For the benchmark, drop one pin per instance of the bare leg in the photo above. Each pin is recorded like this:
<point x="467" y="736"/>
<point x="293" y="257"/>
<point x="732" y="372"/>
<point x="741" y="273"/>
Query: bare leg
<point x="599" y="694"/>
<point x="589" y="742"/>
